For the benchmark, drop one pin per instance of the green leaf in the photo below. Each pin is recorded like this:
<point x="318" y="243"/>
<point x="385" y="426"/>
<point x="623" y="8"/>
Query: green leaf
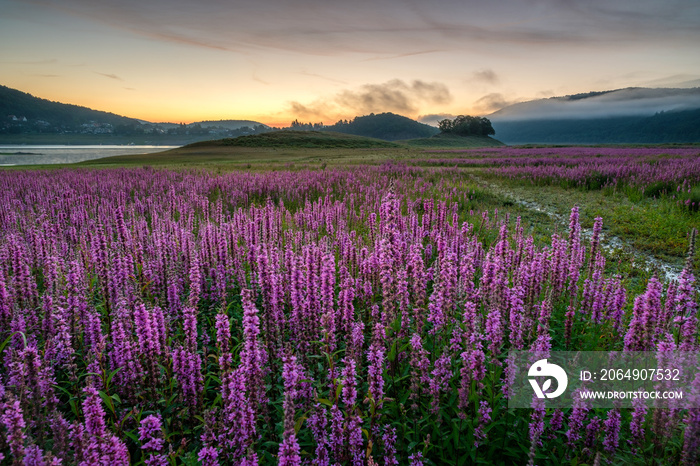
<point x="392" y="352"/>
<point x="74" y="407"/>
<point x="8" y="339"/>
<point x="125" y="418"/>
<point x="298" y="423"/>
<point x="338" y="389"/>
<point x="111" y="375"/>
<point x="107" y="400"/>
<point x="70" y="395"/>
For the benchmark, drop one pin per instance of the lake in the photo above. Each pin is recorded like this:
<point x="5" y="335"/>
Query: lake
<point x="18" y="154"/>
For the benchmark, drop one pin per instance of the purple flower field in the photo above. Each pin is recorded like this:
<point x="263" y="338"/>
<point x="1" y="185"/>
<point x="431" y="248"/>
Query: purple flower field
<point x="667" y="170"/>
<point x="347" y="316"/>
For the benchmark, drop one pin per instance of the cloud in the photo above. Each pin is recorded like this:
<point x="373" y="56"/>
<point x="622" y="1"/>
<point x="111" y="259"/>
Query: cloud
<point x="316" y="111"/>
<point x="403" y="55"/>
<point x="110" y="76"/>
<point x="487" y="75"/>
<point x="491" y="102"/>
<point x="326" y="78"/>
<point x="434" y="118"/>
<point x="260" y="80"/>
<point x="435" y="93"/>
<point x="390" y="27"/>
<point x="394" y="96"/>
<point x="677" y="81"/>
<point x="184" y="40"/>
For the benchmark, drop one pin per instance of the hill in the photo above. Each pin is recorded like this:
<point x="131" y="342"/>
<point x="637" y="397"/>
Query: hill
<point x="227" y="124"/>
<point x="26" y="119"/>
<point x="20" y="111"/>
<point x="298" y="139"/>
<point x="632" y="115"/>
<point x="386" y="126"/>
<point x="664" y="127"/>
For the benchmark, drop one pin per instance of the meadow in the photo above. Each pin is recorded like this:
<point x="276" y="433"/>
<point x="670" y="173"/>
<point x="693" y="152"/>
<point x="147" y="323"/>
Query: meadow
<point x="217" y="305"/>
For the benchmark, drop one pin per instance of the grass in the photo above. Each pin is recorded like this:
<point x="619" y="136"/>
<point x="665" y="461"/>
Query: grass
<point x="300" y="139"/>
<point x="653" y="226"/>
<point x="255" y="158"/>
<point x="451" y="141"/>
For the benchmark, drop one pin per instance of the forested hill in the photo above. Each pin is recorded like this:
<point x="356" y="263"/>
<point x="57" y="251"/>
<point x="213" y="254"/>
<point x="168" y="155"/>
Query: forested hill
<point x="630" y="115"/>
<point x="663" y="127"/>
<point x="18" y="106"/>
<point x="387" y="126"/>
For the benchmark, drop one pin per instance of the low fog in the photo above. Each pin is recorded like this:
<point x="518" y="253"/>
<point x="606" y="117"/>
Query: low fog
<point x="624" y="102"/>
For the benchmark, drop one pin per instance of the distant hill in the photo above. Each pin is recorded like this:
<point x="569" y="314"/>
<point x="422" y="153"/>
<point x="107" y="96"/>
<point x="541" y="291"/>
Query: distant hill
<point x="228" y="124"/>
<point x="386" y="126"/>
<point x="664" y="127"/>
<point x="298" y="139"/>
<point x="632" y="115"/>
<point x="17" y="106"/>
<point x="25" y="119"/>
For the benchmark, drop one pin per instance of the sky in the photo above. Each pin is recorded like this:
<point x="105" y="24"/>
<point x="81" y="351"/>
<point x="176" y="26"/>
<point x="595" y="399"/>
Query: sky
<point x="319" y="61"/>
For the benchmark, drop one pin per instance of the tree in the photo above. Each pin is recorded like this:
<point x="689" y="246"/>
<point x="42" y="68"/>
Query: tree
<point x="445" y="125"/>
<point x="467" y="125"/>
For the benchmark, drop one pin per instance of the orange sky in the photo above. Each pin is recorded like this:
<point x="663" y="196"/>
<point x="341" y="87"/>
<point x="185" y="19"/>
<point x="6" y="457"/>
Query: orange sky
<point x="325" y="60"/>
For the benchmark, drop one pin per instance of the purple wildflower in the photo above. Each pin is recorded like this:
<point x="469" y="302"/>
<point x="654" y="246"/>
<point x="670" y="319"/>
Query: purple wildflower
<point x="289" y="452"/>
<point x="349" y="374"/>
<point x="389" y="441"/>
<point x="150" y="435"/>
<point x="253" y="355"/>
<point x="355" y="441"/>
<point x="578" y="415"/>
<point x="187" y="366"/>
<point x="208" y="456"/>
<point x="439" y="382"/>
<point x="612" y="431"/>
<point x="375" y="358"/>
<point x="592" y="430"/>
<point x="536" y="427"/>
<point x="483" y="420"/>
<point x="416" y="459"/>
<point x="102" y="447"/>
<point x="223" y="341"/>
<point x="13" y="421"/>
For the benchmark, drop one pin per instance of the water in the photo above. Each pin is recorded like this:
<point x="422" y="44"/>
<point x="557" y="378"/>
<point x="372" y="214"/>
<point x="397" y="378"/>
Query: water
<point x="19" y="154"/>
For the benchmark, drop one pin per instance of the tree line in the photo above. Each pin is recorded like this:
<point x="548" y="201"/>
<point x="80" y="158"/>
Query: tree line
<point x="467" y="125"/>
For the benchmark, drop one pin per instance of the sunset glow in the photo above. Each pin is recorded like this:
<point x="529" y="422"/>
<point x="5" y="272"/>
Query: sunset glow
<point x="184" y="61"/>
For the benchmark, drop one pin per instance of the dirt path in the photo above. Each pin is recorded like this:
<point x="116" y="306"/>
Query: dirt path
<point x="609" y="243"/>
